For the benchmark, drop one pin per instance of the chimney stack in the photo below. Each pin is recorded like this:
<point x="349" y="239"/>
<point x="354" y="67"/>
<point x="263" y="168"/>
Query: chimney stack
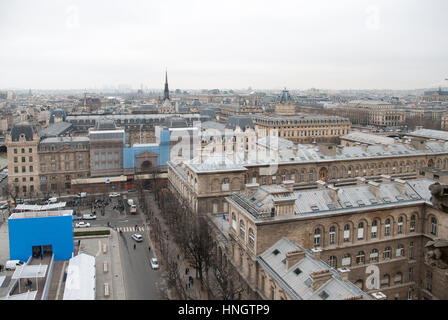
<point x="321" y="184"/>
<point x="374" y="187"/>
<point x="289" y="185"/>
<point x="400" y="185"/>
<point x="319" y="278"/>
<point x="333" y="193"/>
<point x="292" y="257"/>
<point x="360" y="180"/>
<point x="343" y="273"/>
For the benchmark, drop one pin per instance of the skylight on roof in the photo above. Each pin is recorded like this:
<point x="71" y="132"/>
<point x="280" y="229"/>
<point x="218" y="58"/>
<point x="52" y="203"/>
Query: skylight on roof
<point x="276" y="252"/>
<point x="297" y="271"/>
<point x="324" y="295"/>
<point x="348" y="204"/>
<point x="360" y="202"/>
<point x="315" y="208"/>
<point x="386" y="199"/>
<point x="373" y="201"/>
<point x="308" y="282"/>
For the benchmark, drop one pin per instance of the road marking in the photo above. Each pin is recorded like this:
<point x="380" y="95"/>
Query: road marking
<point x="99" y="248"/>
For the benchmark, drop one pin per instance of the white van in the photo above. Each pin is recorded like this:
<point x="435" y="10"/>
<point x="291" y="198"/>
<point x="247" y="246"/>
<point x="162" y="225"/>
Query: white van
<point x="52" y="200"/>
<point x="12" y="264"/>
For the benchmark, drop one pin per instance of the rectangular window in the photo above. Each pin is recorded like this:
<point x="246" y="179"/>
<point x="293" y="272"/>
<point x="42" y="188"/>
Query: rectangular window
<point x="31" y="168"/>
<point x="360" y="233"/>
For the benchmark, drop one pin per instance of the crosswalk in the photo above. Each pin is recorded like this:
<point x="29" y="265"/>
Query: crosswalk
<point x="132" y="229"/>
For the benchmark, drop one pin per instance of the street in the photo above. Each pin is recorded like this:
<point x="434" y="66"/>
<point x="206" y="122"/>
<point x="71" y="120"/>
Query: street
<point x="140" y="280"/>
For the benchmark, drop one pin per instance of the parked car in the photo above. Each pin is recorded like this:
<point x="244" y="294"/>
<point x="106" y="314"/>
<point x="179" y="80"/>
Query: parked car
<point x="81" y="195"/>
<point x="13" y="264"/>
<point x="82" y="224"/>
<point x="89" y="216"/>
<point x="137" y="237"/>
<point x="4" y="206"/>
<point x="19" y="201"/>
<point x="154" y="263"/>
<point x="75" y="217"/>
<point x="114" y="194"/>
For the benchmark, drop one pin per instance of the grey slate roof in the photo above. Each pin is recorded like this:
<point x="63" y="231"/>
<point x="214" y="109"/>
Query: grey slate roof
<point x="55" y="129"/>
<point x="22" y="128"/>
<point x="298" y="285"/>
<point x="241" y="121"/>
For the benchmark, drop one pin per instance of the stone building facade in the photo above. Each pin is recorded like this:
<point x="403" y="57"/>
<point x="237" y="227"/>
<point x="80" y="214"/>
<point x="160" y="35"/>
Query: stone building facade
<point x="204" y="182"/>
<point x="23" y="163"/>
<point x="376" y="234"/>
<point x="62" y="159"/>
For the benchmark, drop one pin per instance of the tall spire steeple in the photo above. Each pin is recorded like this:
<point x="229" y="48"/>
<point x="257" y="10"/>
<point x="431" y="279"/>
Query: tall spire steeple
<point x="166" y="94"/>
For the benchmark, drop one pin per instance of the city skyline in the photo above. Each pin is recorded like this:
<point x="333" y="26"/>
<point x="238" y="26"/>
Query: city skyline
<point x="335" y="46"/>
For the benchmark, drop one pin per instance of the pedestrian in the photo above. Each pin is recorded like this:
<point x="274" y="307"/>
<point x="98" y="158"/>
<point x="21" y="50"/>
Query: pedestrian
<point x="177" y="257"/>
<point x="134" y="246"/>
<point x="149" y="248"/>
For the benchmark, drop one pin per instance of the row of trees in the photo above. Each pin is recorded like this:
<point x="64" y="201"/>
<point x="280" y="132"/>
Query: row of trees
<point x="194" y="235"/>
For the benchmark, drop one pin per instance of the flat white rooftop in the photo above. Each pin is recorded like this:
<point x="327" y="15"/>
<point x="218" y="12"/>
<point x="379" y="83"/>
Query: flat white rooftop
<point x="41" y="214"/>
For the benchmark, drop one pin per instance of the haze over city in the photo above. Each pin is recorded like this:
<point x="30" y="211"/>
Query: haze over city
<point x="223" y="44"/>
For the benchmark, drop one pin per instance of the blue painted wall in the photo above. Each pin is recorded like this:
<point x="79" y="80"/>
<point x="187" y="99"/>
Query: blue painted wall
<point x="162" y="150"/>
<point x="28" y="232"/>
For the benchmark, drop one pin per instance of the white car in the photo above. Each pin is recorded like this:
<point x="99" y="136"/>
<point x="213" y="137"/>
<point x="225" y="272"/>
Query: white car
<point x="82" y="224"/>
<point x="114" y="194"/>
<point x="154" y="263"/>
<point x="89" y="216"/>
<point x="137" y="237"/>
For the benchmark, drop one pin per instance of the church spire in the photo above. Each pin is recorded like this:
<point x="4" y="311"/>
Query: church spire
<point x="166" y="94"/>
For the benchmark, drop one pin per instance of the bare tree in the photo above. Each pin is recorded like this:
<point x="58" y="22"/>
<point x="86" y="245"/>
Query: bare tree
<point x="226" y="283"/>
<point x="199" y="245"/>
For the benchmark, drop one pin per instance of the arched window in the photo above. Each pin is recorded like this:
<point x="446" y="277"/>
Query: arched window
<point x="398" y="278"/>
<point x="333" y="262"/>
<point x="374" y="230"/>
<point x="251" y="238"/>
<point x="317" y="237"/>
<point x="346" y="260"/>
<point x="386" y="253"/>
<point x="400" y="251"/>
<point x="302" y="175"/>
<point x="400" y="225"/>
<point x="374" y="255"/>
<point x="360" y="257"/>
<point x="311" y="175"/>
<point x="332" y="235"/>
<point x="385" y="281"/>
<point x="387" y="228"/>
<point x="242" y="229"/>
<point x="293" y="175"/>
<point x="412" y="224"/>
<point x="360" y="231"/>
<point x="347" y="233"/>
<point x="433" y="226"/>
<point x="349" y="172"/>
<point x="341" y="172"/>
<point x="283" y="176"/>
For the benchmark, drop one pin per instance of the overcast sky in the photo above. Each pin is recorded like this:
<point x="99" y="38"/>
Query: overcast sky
<point x="224" y="44"/>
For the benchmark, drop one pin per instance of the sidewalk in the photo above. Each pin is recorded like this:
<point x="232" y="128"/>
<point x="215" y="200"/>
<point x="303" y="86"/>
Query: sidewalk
<point x="194" y="292"/>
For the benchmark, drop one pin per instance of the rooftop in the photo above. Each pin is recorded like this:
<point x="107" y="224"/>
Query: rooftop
<point x="40" y="214"/>
<point x="430" y="134"/>
<point x="296" y="279"/>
